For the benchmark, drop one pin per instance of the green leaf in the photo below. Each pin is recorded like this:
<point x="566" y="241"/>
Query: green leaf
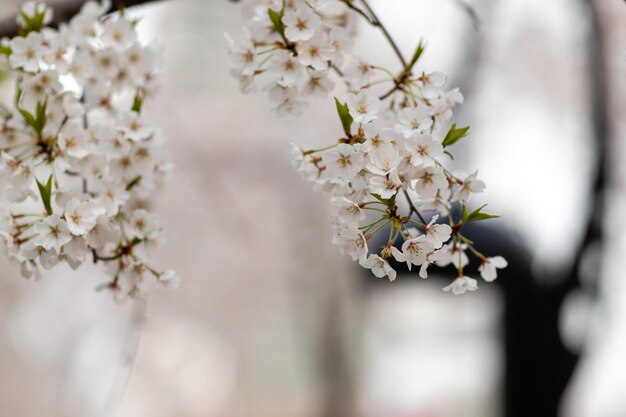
<point x="386" y="201"/>
<point x="137" y="104"/>
<point x="277" y="21"/>
<point x="26" y="19"/>
<point x="29" y="118"/>
<point x="345" y="117"/>
<point x="133" y="182"/>
<point x="455" y="135"/>
<point x="416" y="55"/>
<point x="46" y="194"/>
<point x="5" y="50"/>
<point x="39" y="120"/>
<point x="32" y="23"/>
<point x="483" y="216"/>
<point x="476" y="215"/>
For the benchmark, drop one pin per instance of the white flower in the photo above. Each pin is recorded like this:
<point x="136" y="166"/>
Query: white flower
<point x="27" y="52"/>
<point x="340" y="42"/>
<point x="74" y="252"/>
<point x="287" y="99"/>
<point x="286" y="68"/>
<point x="381" y="150"/>
<point x="379" y="266"/>
<point x="462" y="285"/>
<point x="443" y="105"/>
<point x="430" y="179"/>
<point x="36" y="89"/>
<point x="431" y="258"/>
<point x="438" y="234"/>
<point x="343" y="162"/>
<point x="318" y="85"/>
<point x="51" y="233"/>
<point x="81" y="217"/>
<point x="316" y="52"/>
<point x="385" y="186"/>
<point x="351" y="241"/>
<point x="47" y="258"/>
<point x="453" y="253"/>
<point x="133" y="127"/>
<point x="414" y="251"/>
<point x="112" y="196"/>
<point x="135" y="281"/>
<point x="74" y="140"/>
<point x="243" y="57"/>
<point x="119" y="33"/>
<point x="414" y="120"/>
<point x="169" y="279"/>
<point x="488" y="267"/>
<point x="347" y="212"/>
<point x="103" y="233"/>
<point x="438" y="202"/>
<point x="423" y="150"/>
<point x="301" y="23"/>
<point x="144" y="224"/>
<point x="358" y="73"/>
<point x="470" y="184"/>
<point x="432" y="83"/>
<point x="363" y="107"/>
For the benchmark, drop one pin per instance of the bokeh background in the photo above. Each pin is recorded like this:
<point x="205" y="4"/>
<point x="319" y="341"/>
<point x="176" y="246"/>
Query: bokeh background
<point x="271" y="321"/>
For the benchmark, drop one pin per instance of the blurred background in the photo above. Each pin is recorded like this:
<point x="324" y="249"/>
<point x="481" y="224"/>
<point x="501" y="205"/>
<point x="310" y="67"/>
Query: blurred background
<point x="271" y="321"/>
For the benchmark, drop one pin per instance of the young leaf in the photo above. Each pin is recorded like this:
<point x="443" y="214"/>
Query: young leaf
<point x="455" y="135"/>
<point x="277" y="21"/>
<point x="137" y="103"/>
<point x="32" y="23"/>
<point x="41" y="119"/>
<point x="482" y="216"/>
<point x="345" y="117"/>
<point x="477" y="214"/>
<point x="46" y="194"/>
<point x="133" y="182"/>
<point x="29" y="118"/>
<point x="416" y="55"/>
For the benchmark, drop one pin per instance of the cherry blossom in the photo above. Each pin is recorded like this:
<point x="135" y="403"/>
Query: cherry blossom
<point x="488" y="268"/>
<point x="388" y="168"/>
<point x="461" y="285"/>
<point x="76" y="158"/>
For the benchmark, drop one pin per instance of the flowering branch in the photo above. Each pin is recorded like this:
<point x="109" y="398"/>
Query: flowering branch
<point x="394" y="143"/>
<point x="84" y="154"/>
<point x="63" y="11"/>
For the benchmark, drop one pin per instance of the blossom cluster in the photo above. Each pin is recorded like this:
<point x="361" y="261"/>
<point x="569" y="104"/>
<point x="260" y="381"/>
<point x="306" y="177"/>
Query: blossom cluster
<point x="388" y="171"/>
<point x="289" y="48"/>
<point x="78" y="162"/>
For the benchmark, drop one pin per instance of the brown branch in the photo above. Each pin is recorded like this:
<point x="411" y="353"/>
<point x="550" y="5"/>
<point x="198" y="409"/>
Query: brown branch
<point x="63" y="12"/>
